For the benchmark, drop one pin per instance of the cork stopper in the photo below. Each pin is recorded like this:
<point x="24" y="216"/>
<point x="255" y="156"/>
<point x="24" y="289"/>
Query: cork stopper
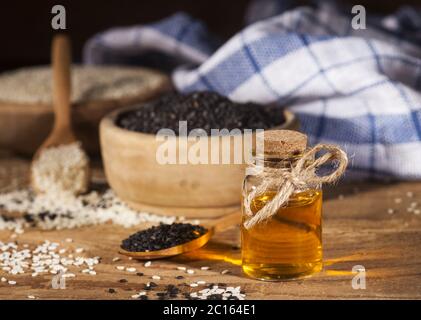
<point x="283" y="143"/>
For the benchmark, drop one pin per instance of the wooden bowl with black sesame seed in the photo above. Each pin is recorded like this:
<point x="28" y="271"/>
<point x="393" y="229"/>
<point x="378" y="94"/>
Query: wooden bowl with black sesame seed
<point x="190" y="190"/>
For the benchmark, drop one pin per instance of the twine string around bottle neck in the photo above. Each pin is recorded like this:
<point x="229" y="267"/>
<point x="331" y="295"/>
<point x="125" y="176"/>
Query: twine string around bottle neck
<point x="287" y="182"/>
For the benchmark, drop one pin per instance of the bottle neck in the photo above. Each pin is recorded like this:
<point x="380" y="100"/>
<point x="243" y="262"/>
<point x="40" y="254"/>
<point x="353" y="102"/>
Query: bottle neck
<point x="277" y="162"/>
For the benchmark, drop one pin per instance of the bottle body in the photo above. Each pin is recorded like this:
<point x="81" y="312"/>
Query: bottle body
<point x="288" y="244"/>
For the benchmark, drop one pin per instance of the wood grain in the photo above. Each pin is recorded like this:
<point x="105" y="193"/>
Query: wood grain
<point x="357" y="230"/>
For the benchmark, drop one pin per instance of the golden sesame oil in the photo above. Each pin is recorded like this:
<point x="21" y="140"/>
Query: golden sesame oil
<point x="288" y="245"/>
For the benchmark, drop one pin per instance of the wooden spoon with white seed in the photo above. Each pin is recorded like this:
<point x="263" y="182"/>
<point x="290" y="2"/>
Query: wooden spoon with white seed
<point x="62" y="132"/>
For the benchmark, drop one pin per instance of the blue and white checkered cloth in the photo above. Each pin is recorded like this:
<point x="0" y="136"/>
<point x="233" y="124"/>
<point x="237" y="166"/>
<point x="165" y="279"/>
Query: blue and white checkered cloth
<point x="360" y="89"/>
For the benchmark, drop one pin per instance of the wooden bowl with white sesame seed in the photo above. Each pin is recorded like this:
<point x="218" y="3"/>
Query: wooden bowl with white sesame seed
<point x="190" y="190"/>
<point x="26" y="114"/>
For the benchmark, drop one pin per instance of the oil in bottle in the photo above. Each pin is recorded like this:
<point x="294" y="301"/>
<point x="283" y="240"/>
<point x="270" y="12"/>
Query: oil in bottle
<point x="289" y="244"/>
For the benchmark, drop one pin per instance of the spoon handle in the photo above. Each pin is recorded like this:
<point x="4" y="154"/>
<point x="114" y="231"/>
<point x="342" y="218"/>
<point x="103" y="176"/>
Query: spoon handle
<point x="61" y="59"/>
<point x="227" y="221"/>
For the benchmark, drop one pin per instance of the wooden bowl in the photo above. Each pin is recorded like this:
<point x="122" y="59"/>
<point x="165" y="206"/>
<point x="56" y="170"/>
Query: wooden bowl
<point x="190" y="190"/>
<point x="23" y="127"/>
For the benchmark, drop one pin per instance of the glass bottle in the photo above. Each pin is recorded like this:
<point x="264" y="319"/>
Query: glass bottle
<point x="288" y="244"/>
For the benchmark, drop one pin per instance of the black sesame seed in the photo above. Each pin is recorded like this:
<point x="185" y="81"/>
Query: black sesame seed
<point x="7" y="219"/>
<point x="140" y="274"/>
<point x="122" y="280"/>
<point x="162" y="237"/>
<point x="205" y="110"/>
<point x="111" y="290"/>
<point x="179" y="277"/>
<point x="29" y="218"/>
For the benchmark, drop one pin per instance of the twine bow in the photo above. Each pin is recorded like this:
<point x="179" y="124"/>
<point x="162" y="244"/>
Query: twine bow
<point x="289" y="181"/>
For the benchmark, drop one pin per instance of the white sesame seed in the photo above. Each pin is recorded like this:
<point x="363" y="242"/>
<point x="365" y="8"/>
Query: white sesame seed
<point x="201" y="282"/>
<point x="142" y="293"/>
<point x="225" y="271"/>
<point x="190" y="271"/>
<point x="3" y="279"/>
<point x="135" y="296"/>
<point x="156" y="277"/>
<point x="71" y="211"/>
<point x="116" y="259"/>
<point x="148" y="264"/>
<point x="29" y="85"/>
<point x="204" y="268"/>
<point x="417" y="212"/>
<point x="120" y="268"/>
<point x="409" y="194"/>
<point x="69" y="240"/>
<point x="398" y="200"/>
<point x="227" y="293"/>
<point x="92" y="272"/>
<point x="181" y="268"/>
<point x="31" y="297"/>
<point x="69" y="275"/>
<point x="60" y="168"/>
<point x="11" y="282"/>
<point x="194" y="285"/>
<point x="390" y="211"/>
<point x="79" y="250"/>
<point x="131" y="269"/>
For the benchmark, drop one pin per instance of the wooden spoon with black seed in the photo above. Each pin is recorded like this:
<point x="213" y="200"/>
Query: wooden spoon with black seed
<point x="218" y="225"/>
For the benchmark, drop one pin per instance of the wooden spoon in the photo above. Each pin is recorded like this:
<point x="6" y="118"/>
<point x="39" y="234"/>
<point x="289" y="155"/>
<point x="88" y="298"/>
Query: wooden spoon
<point x="218" y="225"/>
<point x="62" y="132"/>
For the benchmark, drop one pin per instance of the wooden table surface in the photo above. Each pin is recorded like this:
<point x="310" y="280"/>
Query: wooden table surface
<point x="357" y="230"/>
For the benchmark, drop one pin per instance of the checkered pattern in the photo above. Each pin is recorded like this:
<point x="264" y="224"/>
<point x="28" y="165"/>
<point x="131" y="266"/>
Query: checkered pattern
<point x="360" y="89"/>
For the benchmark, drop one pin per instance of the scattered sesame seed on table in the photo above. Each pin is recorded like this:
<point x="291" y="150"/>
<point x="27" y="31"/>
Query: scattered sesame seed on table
<point x="357" y="230"/>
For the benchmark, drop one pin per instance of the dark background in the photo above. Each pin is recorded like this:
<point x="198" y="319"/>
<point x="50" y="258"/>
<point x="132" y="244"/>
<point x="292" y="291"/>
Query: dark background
<point x="25" y="30"/>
